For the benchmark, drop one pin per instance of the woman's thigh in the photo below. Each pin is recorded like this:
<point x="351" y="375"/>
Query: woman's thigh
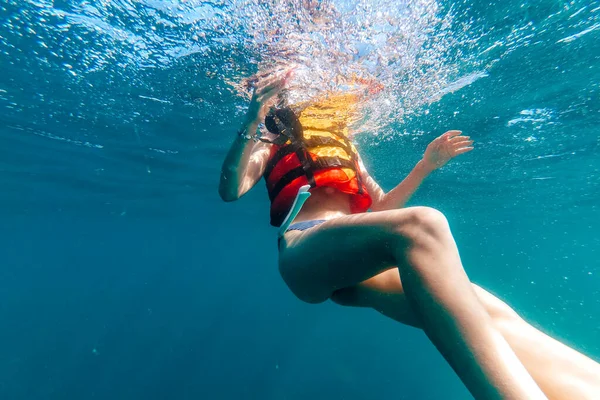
<point x="345" y="251"/>
<point x="385" y="294"/>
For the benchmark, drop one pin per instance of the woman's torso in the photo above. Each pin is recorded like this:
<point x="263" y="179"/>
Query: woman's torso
<point x="319" y="152"/>
<point x="324" y="203"/>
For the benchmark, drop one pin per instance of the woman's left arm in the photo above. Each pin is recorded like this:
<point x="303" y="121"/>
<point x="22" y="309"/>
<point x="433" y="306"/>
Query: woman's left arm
<point x="441" y="150"/>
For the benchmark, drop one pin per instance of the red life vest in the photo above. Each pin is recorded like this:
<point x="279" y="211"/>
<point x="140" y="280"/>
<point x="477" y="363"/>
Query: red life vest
<point x="319" y="158"/>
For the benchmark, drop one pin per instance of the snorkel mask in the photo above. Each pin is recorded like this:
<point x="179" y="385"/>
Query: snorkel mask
<point x="283" y="121"/>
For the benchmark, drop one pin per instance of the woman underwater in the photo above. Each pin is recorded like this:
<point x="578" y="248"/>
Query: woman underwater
<point x="402" y="262"/>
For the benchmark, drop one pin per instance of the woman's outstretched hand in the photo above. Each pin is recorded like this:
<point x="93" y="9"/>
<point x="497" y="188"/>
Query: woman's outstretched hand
<point x="261" y="95"/>
<point x="445" y="147"/>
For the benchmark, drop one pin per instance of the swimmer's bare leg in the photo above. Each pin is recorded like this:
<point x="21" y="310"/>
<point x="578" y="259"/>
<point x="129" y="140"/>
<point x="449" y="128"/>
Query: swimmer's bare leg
<point x="348" y="250"/>
<point x="561" y="372"/>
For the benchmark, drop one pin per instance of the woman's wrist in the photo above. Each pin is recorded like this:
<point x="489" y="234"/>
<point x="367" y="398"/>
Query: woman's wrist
<point x="424" y="168"/>
<point x="244" y="133"/>
<point x="248" y="129"/>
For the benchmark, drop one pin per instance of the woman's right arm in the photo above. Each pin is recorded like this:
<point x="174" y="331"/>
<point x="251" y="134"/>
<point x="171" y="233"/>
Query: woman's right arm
<point x="246" y="160"/>
<point x="244" y="164"/>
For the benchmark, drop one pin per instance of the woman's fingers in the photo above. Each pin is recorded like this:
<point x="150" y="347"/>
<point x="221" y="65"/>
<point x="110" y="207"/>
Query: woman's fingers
<point x="272" y="92"/>
<point x="461" y="143"/>
<point x="459" y="138"/>
<point x="462" y="150"/>
<point x="268" y="90"/>
<point x="451" y="134"/>
<point x="265" y="90"/>
<point x="272" y="86"/>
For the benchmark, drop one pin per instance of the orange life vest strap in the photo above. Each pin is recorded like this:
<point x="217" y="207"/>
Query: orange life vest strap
<point x="309" y="143"/>
<point x="319" y="164"/>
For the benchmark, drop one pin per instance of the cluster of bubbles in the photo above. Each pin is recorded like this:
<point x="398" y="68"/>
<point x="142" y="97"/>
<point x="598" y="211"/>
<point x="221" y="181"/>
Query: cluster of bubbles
<point x="403" y="53"/>
<point x="411" y="50"/>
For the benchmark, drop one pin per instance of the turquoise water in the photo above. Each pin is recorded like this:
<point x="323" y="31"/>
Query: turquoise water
<point x="125" y="276"/>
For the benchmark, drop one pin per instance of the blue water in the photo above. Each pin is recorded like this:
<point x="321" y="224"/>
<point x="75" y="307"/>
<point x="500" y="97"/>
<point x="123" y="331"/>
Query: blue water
<point x="124" y="276"/>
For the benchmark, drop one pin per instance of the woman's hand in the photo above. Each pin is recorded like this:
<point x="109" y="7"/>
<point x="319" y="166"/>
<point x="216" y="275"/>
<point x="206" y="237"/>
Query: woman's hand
<point x="445" y="147"/>
<point x="262" y="94"/>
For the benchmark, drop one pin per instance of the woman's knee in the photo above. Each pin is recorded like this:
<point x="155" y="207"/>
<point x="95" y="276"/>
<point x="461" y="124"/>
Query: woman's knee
<point x="421" y="224"/>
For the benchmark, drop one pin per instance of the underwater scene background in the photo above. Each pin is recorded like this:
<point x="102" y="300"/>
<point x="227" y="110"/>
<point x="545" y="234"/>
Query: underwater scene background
<point x="125" y="276"/>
